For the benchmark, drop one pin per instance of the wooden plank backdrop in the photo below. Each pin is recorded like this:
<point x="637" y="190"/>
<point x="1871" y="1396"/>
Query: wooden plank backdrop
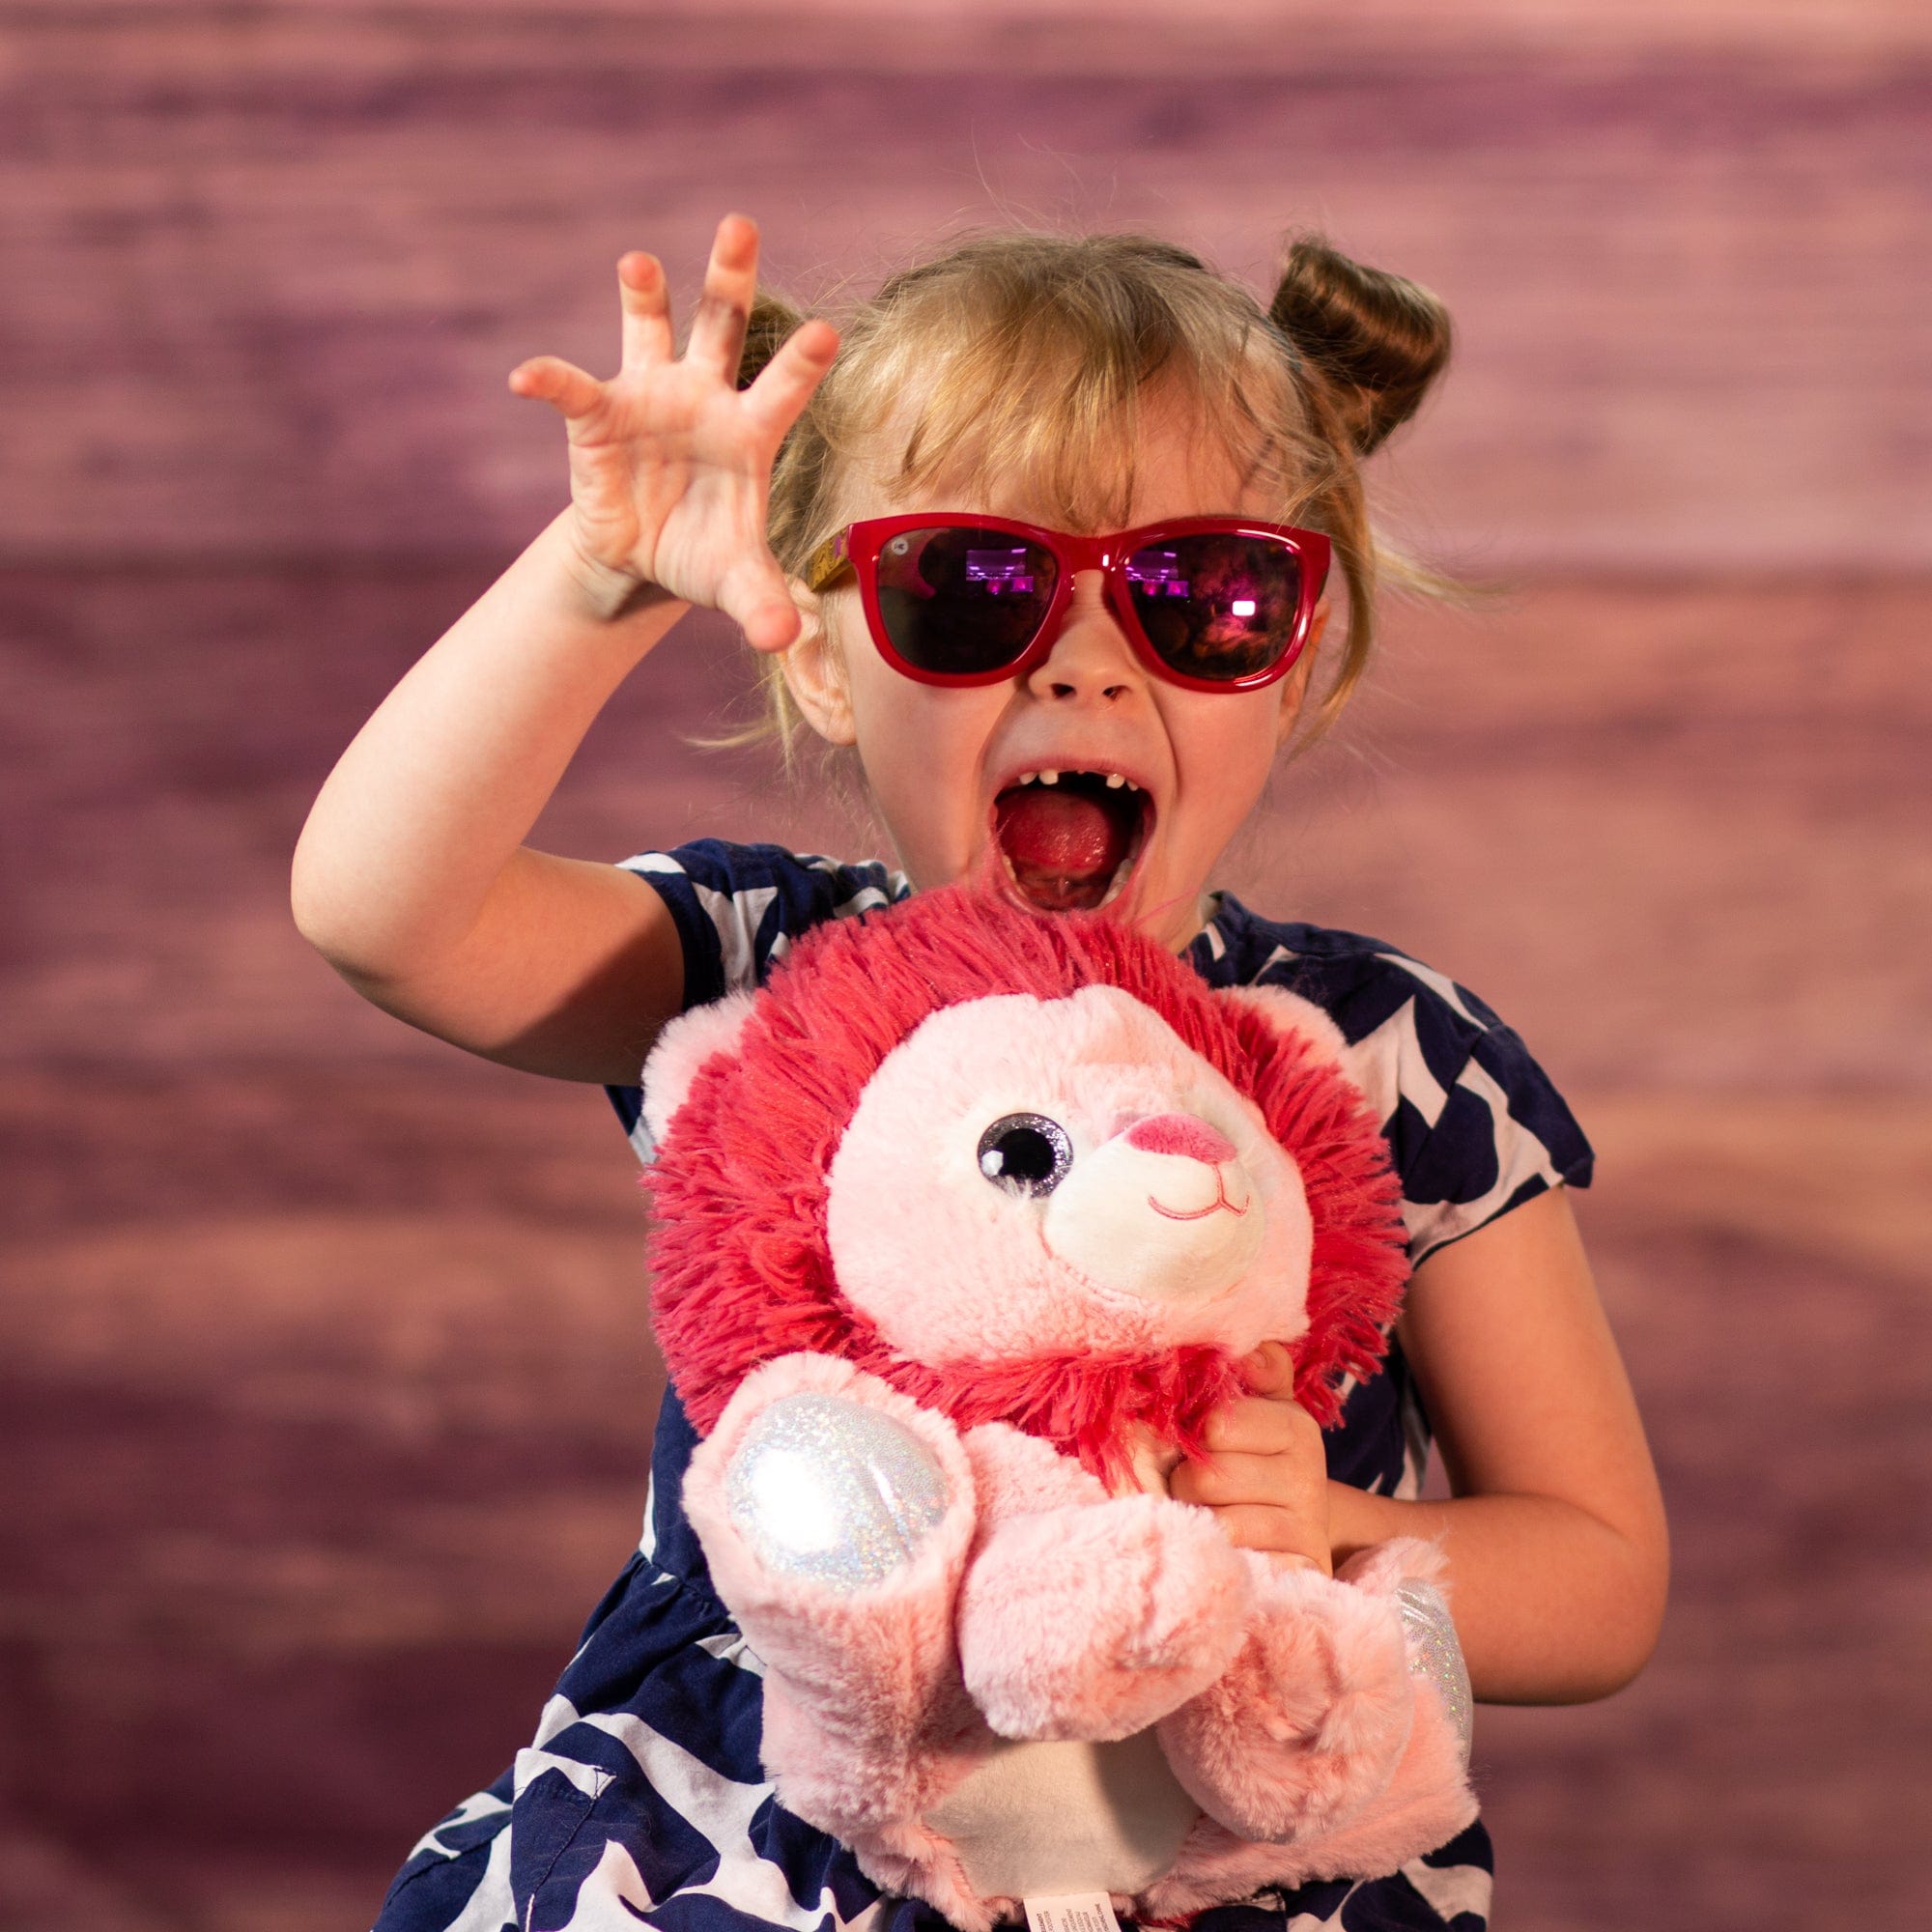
<point x="325" y="1390"/>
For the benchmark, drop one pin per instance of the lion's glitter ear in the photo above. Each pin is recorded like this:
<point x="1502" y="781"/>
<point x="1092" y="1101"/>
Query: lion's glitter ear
<point x="683" y="1047"/>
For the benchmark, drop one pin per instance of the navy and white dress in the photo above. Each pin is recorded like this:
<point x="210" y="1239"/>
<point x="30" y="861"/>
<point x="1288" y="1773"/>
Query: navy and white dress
<point x="640" y="1798"/>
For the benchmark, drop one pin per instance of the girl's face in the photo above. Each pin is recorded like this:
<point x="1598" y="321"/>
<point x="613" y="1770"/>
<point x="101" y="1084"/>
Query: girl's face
<point x="944" y="765"/>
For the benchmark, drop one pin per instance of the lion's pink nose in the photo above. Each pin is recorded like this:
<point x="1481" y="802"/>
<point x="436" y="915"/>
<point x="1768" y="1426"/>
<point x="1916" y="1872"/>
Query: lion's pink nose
<point x="1181" y="1133"/>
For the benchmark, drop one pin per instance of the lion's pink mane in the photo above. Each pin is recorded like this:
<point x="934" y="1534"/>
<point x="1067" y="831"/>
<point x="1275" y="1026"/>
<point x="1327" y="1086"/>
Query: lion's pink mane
<point x="742" y="1270"/>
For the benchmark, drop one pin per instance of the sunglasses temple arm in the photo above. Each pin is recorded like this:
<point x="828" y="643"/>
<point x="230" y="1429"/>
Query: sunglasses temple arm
<point x="825" y="563"/>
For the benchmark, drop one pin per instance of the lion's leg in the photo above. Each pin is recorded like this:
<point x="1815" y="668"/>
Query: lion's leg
<point x="1311" y="1721"/>
<point x="836" y="1517"/>
<point x="1091" y="1619"/>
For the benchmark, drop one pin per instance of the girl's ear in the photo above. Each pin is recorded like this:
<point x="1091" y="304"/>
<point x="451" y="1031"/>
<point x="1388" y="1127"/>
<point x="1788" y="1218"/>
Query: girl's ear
<point x="682" y="1048"/>
<point x="1294" y="686"/>
<point x="815" y="673"/>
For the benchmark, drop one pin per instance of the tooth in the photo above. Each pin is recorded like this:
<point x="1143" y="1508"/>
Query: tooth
<point x="1027" y="778"/>
<point x="1049" y="777"/>
<point x="1115" y="780"/>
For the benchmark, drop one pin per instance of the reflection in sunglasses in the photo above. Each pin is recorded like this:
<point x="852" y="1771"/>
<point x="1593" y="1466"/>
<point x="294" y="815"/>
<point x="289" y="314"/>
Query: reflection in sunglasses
<point x="1156" y="573"/>
<point x="1000" y="570"/>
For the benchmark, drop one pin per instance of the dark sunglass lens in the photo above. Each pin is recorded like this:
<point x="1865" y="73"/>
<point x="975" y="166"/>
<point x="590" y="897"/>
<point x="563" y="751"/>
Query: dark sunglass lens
<point x="1218" y="605"/>
<point x="960" y="601"/>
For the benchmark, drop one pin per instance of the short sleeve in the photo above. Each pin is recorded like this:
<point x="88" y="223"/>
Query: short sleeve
<point x="736" y="909"/>
<point x="1475" y="1124"/>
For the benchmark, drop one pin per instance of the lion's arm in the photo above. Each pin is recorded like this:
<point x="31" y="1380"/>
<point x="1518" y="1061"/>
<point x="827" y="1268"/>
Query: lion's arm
<point x="1014" y="1474"/>
<point x="1084" y="1615"/>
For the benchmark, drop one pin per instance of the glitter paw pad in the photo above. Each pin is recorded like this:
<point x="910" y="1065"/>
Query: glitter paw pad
<point x="832" y="1490"/>
<point x="1435" y="1653"/>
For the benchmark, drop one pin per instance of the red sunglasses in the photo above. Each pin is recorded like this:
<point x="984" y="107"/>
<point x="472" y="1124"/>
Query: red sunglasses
<point x="1212" y="603"/>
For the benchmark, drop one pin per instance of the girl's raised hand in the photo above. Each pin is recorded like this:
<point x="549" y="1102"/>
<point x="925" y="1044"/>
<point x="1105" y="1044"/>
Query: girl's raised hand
<point x="670" y="461"/>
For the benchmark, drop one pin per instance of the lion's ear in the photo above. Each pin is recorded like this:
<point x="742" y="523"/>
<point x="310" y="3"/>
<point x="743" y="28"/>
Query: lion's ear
<point x="1373" y="1077"/>
<point x="1289" y="1012"/>
<point x="683" y="1047"/>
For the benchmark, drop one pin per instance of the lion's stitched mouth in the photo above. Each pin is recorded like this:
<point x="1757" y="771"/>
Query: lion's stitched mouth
<point x="1069" y="838"/>
<point x="1196" y="1214"/>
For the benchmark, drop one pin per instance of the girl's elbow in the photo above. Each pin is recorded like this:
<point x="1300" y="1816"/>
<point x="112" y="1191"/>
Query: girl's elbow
<point x="315" y="893"/>
<point x="309" y="904"/>
<point x="325" y="913"/>
<point x="1632" y="1619"/>
<point x="317" y="905"/>
<point x="1623" y="1666"/>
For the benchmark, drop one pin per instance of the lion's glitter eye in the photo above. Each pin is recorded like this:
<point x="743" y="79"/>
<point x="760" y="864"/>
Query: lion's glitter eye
<point x="1025" y="1154"/>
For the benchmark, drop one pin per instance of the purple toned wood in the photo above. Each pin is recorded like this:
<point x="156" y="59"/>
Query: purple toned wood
<point x="1673" y="829"/>
<point x="269" y="270"/>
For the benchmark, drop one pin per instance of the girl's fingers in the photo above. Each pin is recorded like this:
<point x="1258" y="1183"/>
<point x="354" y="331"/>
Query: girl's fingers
<point x="772" y="625"/>
<point x="730" y="281"/>
<point x="1278" y="1531"/>
<point x="1271" y="1425"/>
<point x="785" y="384"/>
<point x="1271" y="1369"/>
<point x="646" y="300"/>
<point x="757" y="602"/>
<point x="1236" y="1478"/>
<point x="561" y="384"/>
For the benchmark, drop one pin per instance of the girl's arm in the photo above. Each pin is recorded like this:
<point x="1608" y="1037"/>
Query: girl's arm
<point x="1558" y="1555"/>
<point x="412" y="879"/>
<point x="410" y="876"/>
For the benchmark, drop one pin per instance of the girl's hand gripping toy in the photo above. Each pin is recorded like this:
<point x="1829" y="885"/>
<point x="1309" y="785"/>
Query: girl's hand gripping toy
<point x="967" y="1219"/>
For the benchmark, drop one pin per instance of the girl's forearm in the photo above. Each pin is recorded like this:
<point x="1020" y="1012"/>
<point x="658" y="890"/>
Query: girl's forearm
<point x="1553" y="1606"/>
<point x="433" y="797"/>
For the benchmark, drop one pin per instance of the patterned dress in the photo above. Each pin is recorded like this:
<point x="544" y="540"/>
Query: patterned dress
<point x="640" y="1799"/>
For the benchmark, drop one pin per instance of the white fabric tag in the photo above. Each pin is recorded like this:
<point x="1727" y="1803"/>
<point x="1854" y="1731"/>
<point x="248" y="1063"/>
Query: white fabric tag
<point x="1071" y="1911"/>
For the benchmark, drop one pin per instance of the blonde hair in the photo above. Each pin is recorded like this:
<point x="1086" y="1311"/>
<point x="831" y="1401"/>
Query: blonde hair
<point x="1019" y="357"/>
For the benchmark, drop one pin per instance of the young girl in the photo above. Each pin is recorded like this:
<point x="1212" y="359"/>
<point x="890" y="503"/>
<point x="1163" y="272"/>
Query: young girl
<point x="1080" y="717"/>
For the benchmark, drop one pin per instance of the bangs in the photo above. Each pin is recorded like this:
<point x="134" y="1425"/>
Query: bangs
<point x="1034" y="387"/>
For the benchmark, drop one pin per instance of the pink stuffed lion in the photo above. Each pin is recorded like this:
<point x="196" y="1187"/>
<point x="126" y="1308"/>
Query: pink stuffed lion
<point x="966" y="1222"/>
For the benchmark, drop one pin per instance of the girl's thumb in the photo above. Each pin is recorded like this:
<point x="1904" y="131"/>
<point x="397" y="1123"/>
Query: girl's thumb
<point x="1270" y="1369"/>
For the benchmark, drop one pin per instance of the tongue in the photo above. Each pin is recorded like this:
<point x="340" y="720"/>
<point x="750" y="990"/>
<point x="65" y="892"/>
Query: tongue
<point x="1062" y="845"/>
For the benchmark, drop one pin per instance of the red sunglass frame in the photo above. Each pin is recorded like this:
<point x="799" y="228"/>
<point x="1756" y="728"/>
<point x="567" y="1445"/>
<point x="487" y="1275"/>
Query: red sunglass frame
<point x="858" y="544"/>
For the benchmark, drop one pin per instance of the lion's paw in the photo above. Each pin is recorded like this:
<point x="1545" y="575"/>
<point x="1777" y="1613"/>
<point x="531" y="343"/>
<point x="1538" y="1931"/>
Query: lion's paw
<point x="824" y="1487"/>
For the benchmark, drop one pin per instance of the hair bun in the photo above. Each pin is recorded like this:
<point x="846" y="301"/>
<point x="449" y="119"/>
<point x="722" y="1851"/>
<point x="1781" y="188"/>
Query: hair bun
<point x="1380" y="341"/>
<point x="766" y="328"/>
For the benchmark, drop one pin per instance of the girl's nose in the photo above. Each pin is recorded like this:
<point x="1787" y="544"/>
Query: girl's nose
<point x="1090" y="656"/>
<point x="1182" y="1133"/>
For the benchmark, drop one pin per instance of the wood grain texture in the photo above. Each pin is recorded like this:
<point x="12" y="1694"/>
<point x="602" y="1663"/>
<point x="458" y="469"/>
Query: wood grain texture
<point x="278" y="263"/>
<point x="1674" y="831"/>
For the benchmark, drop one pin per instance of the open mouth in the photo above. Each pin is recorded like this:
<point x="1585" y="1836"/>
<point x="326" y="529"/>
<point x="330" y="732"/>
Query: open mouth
<point x="1069" y="839"/>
